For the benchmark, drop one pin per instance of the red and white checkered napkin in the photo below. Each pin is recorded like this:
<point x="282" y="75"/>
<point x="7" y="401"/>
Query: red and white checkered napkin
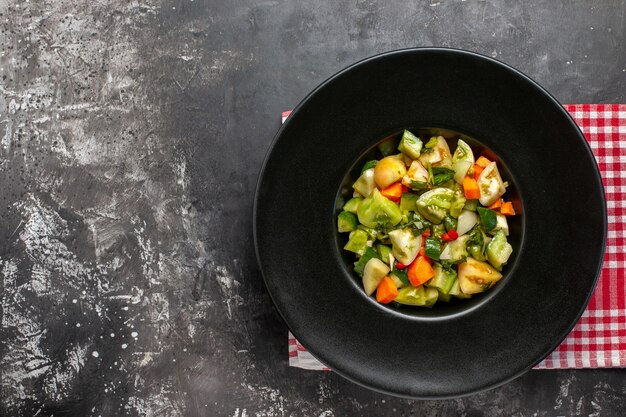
<point x="599" y="338"/>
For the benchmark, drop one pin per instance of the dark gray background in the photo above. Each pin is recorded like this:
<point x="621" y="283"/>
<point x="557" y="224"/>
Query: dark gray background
<point x="132" y="134"/>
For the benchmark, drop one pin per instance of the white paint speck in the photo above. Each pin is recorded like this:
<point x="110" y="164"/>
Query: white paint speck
<point x="77" y="324"/>
<point x="134" y="334"/>
<point x="112" y="334"/>
<point x="95" y="354"/>
<point x="74" y="301"/>
<point x="124" y="345"/>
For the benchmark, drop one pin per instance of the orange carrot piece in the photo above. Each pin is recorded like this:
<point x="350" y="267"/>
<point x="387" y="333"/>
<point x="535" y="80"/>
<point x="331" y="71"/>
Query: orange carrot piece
<point x="496" y="204"/>
<point x="477" y="170"/>
<point x="386" y="291"/>
<point x="483" y="162"/>
<point x="470" y="188"/>
<point x="507" y="209"/>
<point x="426" y="233"/>
<point x="393" y="192"/>
<point x="420" y="271"/>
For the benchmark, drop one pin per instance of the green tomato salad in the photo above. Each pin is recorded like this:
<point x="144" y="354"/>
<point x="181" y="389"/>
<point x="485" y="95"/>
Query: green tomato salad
<point x="426" y="224"/>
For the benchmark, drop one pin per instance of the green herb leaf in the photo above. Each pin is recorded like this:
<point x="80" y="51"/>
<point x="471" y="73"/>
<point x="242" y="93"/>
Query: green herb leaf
<point x="369" y="165"/>
<point x="447" y="266"/>
<point x="419" y="185"/>
<point x="402" y="275"/>
<point x="450" y="223"/>
<point x="441" y="175"/>
<point x="369" y="253"/>
<point x="487" y="218"/>
<point x="432" y="248"/>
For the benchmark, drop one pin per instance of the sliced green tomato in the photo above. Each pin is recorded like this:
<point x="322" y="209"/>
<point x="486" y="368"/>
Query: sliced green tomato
<point x="499" y="250"/>
<point x="405" y="245"/>
<point x="372" y="233"/>
<point x="432" y="142"/>
<point x="501" y="224"/>
<point x="374" y="272"/>
<point x="432" y="248"/>
<point x="457" y="204"/>
<point x="407" y="202"/>
<point x="410" y="295"/>
<point x="435" y="204"/>
<point x="488" y="218"/>
<point x="388" y="170"/>
<point x="357" y="242"/>
<point x="397" y="281"/>
<point x="476" y="276"/>
<point x="467" y="221"/>
<point x="443" y="279"/>
<point x="430" y="296"/>
<point x="417" y="296"/>
<point x="455" y="290"/>
<point x="410" y="145"/>
<point x="490" y="185"/>
<point x="456" y="250"/>
<point x="346" y="222"/>
<point x="352" y="205"/>
<point x="365" y="184"/>
<point x="384" y="251"/>
<point x="461" y="169"/>
<point x="440" y="155"/>
<point x="416" y="174"/>
<point x="369" y="253"/>
<point x="378" y="211"/>
<point x="463" y="152"/>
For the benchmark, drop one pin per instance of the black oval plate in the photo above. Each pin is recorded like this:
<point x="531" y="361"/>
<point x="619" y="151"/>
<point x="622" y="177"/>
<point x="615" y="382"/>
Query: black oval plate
<point x="545" y="291"/>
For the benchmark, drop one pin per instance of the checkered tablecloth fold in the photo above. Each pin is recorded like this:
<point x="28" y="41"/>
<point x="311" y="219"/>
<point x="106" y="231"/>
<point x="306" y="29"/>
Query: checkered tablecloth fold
<point x="599" y="338"/>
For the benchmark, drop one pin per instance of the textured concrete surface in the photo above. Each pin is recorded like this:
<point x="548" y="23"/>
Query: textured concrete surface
<point x="131" y="136"/>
